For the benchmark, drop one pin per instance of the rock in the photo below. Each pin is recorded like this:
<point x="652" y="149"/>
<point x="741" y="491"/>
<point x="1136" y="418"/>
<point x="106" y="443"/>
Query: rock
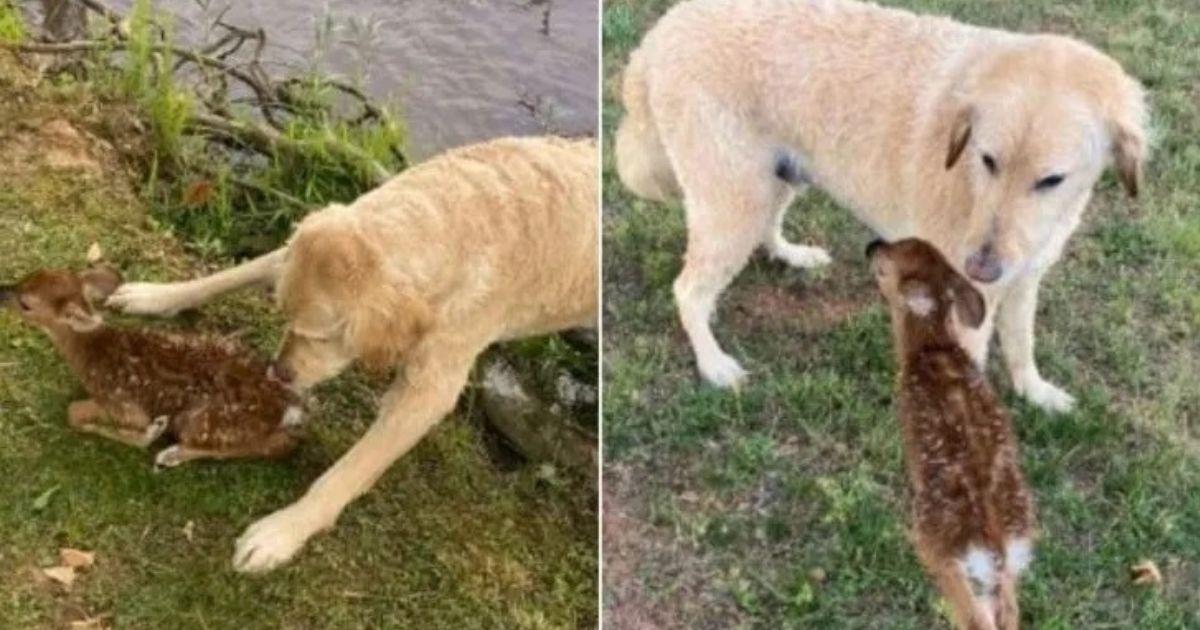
<point x="535" y="429"/>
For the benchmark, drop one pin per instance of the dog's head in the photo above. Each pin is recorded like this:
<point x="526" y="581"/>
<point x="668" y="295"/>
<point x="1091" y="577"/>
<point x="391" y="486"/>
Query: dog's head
<point x="1032" y="128"/>
<point x="342" y="303"/>
<point x="918" y="282"/>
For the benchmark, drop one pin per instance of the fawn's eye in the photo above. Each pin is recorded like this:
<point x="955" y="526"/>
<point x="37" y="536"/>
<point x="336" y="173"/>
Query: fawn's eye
<point x="1046" y="183"/>
<point x="990" y="163"/>
<point x="23" y="304"/>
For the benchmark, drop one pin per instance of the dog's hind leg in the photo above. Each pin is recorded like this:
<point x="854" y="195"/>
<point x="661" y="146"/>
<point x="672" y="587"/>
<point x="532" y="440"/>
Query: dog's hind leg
<point x="729" y="195"/>
<point x="148" y="298"/>
<point x="789" y="170"/>
<point x="435" y="374"/>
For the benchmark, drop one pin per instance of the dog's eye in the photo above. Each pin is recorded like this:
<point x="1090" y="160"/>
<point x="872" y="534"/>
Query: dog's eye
<point x="1046" y="183"/>
<point x="990" y="163"/>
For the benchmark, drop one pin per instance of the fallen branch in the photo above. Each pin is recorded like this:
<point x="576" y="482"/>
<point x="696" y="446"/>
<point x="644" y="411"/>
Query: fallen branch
<point x="267" y="140"/>
<point x="263" y="92"/>
<point x="262" y="138"/>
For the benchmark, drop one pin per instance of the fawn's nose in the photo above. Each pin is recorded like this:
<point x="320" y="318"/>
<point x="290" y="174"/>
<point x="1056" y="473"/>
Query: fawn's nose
<point x="280" y="372"/>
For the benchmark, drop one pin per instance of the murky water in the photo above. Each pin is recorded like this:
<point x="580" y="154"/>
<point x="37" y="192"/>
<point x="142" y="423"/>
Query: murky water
<point x="462" y="70"/>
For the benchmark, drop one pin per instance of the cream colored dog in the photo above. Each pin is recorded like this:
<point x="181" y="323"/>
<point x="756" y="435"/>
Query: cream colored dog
<point x="490" y="242"/>
<point x="983" y="142"/>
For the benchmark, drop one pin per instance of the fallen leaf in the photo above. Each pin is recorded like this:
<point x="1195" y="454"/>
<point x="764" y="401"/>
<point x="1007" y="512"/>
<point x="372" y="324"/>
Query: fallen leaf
<point x="95" y="623"/>
<point x="199" y="193"/>
<point x="43" y="499"/>
<point x="62" y="575"/>
<point x="76" y="559"/>
<point x="1146" y="573"/>
<point x="94" y="254"/>
<point x="189" y="531"/>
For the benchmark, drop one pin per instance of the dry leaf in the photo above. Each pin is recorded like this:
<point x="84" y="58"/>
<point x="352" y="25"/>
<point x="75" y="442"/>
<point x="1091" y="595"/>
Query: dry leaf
<point x="199" y="193"/>
<point x="62" y="575"/>
<point x="95" y="254"/>
<point x="1146" y="573"/>
<point x="76" y="559"/>
<point x="189" y="531"/>
<point x="95" y="623"/>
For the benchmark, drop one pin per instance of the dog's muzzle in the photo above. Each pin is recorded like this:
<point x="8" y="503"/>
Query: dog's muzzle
<point x="281" y="373"/>
<point x="984" y="265"/>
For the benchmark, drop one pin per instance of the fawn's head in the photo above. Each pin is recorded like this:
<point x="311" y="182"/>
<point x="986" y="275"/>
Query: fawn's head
<point x="61" y="300"/>
<point x="922" y="288"/>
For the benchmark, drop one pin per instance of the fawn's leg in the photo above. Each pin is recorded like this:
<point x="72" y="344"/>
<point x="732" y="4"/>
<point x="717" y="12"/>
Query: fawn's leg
<point x="128" y="426"/>
<point x="276" y="444"/>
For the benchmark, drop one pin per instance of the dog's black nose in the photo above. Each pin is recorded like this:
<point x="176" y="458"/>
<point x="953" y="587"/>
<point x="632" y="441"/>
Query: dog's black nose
<point x="874" y="245"/>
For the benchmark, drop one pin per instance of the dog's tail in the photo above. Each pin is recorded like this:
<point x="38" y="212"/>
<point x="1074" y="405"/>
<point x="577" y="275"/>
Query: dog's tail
<point x="642" y="162"/>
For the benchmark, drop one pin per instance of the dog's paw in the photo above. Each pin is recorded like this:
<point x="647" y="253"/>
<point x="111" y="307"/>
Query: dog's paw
<point x="169" y="457"/>
<point x="147" y="298"/>
<point x="272" y="541"/>
<point x="802" y="256"/>
<point x="722" y="370"/>
<point x="1046" y="395"/>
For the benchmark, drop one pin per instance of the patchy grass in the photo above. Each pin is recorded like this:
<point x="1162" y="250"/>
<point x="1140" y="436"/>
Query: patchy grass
<point x="782" y="507"/>
<point x="446" y="539"/>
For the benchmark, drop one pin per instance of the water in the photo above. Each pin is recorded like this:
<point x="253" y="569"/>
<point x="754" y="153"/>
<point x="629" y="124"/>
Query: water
<point x="461" y="70"/>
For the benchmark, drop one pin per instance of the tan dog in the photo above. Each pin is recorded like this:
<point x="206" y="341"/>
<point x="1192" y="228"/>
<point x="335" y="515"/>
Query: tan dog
<point x="983" y="142"/>
<point x="973" y="515"/>
<point x="481" y="244"/>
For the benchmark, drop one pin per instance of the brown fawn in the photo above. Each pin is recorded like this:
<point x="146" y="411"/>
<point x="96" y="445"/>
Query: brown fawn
<point x="212" y="396"/>
<point x="973" y="516"/>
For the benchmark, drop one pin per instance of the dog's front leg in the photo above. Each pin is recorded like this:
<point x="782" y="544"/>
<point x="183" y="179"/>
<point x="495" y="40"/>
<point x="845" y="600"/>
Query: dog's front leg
<point x="1014" y="318"/>
<point x="150" y="298"/>
<point x="435" y="375"/>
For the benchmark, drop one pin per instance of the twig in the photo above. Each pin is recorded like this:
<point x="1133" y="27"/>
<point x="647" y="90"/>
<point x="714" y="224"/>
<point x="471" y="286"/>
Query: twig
<point x="259" y="188"/>
<point x="268" y="140"/>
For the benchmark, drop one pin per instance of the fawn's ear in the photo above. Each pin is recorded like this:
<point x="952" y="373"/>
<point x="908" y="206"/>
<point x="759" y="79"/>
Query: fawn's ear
<point x="99" y="282"/>
<point x="918" y="298"/>
<point x="79" y="318"/>
<point x="969" y="304"/>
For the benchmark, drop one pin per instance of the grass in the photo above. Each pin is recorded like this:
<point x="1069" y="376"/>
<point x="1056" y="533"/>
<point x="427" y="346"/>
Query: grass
<point x="782" y="507"/>
<point x="453" y="536"/>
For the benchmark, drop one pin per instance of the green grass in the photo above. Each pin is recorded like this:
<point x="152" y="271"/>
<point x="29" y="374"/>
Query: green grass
<point x="448" y="538"/>
<point x="739" y="498"/>
<point x="12" y="27"/>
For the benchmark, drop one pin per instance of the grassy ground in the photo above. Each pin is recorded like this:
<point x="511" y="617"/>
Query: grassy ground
<point x="782" y="507"/>
<point x="452" y="537"/>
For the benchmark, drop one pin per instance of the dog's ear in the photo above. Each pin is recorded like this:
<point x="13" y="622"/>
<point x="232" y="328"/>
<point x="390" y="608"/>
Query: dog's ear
<point x="99" y="282"/>
<point x="969" y="304"/>
<point x="384" y="323"/>
<point x="1129" y="155"/>
<point x="960" y="134"/>
<point x="918" y="297"/>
